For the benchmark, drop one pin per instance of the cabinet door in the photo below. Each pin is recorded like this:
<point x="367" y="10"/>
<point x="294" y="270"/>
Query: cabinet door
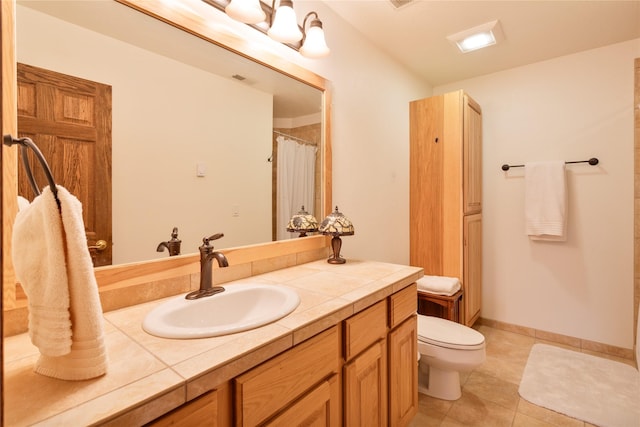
<point x="318" y="408"/>
<point x="365" y="388"/>
<point x="426" y="136"/>
<point x="403" y="373"/>
<point x="472" y="157"/>
<point x="472" y="278"/>
<point x="202" y="411"/>
<point x="267" y="389"/>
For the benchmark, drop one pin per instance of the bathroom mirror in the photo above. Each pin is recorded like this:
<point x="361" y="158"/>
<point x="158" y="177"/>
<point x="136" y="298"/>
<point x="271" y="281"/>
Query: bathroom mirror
<point x="186" y="114"/>
<point x="242" y="46"/>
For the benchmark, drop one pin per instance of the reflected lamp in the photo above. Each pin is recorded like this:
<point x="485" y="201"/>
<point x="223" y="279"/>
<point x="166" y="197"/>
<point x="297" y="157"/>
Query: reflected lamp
<point x="302" y="222"/>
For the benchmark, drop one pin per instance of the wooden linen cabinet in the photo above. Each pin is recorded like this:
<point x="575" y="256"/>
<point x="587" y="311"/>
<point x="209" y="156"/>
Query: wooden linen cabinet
<point x="446" y="193"/>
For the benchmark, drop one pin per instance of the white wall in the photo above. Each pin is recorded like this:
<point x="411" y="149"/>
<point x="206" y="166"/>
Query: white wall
<point x="570" y="108"/>
<point x="167" y="117"/>
<point x="370" y="135"/>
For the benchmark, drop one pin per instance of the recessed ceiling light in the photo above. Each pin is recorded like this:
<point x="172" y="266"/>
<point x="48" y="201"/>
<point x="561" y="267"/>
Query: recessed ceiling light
<point x="478" y="37"/>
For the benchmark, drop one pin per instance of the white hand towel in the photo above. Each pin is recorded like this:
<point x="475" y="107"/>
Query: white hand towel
<point x="22" y="203"/>
<point x="38" y="258"/>
<point x="439" y="285"/>
<point x="53" y="262"/>
<point x="545" y="200"/>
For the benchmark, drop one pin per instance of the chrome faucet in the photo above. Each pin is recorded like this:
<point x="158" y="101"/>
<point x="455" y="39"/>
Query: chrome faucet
<point x="207" y="255"/>
<point x="173" y="245"/>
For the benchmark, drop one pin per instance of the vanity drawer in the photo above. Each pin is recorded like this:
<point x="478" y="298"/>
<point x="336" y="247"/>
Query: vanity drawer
<point x="404" y="304"/>
<point x="270" y="387"/>
<point x="365" y="328"/>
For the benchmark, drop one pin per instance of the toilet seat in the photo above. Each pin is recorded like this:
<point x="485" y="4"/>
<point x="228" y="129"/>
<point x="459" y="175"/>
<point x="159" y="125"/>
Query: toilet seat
<point x="448" y="334"/>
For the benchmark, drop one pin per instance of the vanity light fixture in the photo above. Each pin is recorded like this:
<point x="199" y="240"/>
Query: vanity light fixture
<point x="302" y="222"/>
<point x="279" y="23"/>
<point x="478" y="37"/>
<point x="336" y="225"/>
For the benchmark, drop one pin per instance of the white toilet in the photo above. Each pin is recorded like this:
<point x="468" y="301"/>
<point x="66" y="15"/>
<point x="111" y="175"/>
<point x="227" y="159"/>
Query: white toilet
<point x="446" y="348"/>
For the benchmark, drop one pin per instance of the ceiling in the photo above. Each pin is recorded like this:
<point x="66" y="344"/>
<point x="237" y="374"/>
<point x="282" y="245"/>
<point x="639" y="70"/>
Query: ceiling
<point x="415" y="34"/>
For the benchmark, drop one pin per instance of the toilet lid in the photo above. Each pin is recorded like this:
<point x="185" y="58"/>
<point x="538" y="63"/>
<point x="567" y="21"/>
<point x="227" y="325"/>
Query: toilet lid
<point x="445" y="333"/>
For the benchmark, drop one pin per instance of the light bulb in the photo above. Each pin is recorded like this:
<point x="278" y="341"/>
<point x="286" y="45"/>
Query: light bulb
<point x="247" y="11"/>
<point x="285" y="24"/>
<point x="314" y="45"/>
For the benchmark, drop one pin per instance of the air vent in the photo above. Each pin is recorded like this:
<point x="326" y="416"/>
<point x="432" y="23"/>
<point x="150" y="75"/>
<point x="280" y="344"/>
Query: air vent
<point x="239" y="77"/>
<point x="400" y="3"/>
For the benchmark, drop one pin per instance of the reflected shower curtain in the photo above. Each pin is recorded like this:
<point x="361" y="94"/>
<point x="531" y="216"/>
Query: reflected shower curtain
<point x="295" y="181"/>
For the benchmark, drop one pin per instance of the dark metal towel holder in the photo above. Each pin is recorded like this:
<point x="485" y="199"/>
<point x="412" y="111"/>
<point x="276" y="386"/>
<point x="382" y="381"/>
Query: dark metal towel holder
<point x="26" y="143"/>
<point x="592" y="161"/>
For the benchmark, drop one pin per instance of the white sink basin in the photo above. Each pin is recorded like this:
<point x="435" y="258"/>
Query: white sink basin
<point x="239" y="308"/>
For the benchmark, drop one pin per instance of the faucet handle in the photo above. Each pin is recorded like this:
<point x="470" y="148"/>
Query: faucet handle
<point x="205" y="240"/>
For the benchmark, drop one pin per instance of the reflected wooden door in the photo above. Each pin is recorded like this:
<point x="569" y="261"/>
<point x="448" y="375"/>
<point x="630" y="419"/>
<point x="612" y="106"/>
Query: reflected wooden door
<point x="70" y="120"/>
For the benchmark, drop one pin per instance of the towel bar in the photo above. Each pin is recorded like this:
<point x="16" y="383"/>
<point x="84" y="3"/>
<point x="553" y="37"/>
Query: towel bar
<point x="592" y="161"/>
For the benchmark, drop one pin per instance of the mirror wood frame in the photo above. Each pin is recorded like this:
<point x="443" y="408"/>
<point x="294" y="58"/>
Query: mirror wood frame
<point x="126" y="276"/>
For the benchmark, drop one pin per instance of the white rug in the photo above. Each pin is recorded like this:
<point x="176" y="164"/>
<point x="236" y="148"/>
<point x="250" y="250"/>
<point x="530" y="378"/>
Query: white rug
<point x="589" y="388"/>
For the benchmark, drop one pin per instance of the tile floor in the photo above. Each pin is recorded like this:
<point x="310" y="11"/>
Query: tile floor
<point x="490" y="393"/>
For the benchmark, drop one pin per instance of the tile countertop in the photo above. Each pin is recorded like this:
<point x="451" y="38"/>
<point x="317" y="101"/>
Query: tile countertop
<point x="149" y="376"/>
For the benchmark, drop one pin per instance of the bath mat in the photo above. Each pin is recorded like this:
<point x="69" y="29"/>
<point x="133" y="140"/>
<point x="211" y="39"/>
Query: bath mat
<point x="589" y="388"/>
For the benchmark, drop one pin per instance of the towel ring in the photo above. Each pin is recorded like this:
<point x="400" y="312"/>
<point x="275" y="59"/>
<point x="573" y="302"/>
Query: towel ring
<point x="26" y="143"/>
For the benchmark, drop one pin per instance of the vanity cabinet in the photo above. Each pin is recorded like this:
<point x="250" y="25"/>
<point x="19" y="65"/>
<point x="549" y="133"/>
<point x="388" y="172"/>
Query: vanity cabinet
<point x="359" y="372"/>
<point x="446" y="192"/>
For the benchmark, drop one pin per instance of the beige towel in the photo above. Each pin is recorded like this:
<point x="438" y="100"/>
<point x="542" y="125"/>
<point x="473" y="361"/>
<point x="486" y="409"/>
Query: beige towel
<point x="439" y="285"/>
<point x="54" y="266"/>
<point x="22" y="203"/>
<point x="545" y="200"/>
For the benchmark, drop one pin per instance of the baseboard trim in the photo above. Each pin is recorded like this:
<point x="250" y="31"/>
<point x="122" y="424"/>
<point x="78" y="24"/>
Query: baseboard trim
<point x="578" y="343"/>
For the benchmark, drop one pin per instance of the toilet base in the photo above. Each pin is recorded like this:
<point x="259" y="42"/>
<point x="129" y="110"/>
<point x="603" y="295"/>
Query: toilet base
<point x="438" y="383"/>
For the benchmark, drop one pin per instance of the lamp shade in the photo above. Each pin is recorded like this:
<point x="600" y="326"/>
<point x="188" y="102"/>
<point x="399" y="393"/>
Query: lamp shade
<point x="285" y="24"/>
<point x="302" y="222"/>
<point x="314" y="45"/>
<point x="247" y="11"/>
<point x="336" y="224"/>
